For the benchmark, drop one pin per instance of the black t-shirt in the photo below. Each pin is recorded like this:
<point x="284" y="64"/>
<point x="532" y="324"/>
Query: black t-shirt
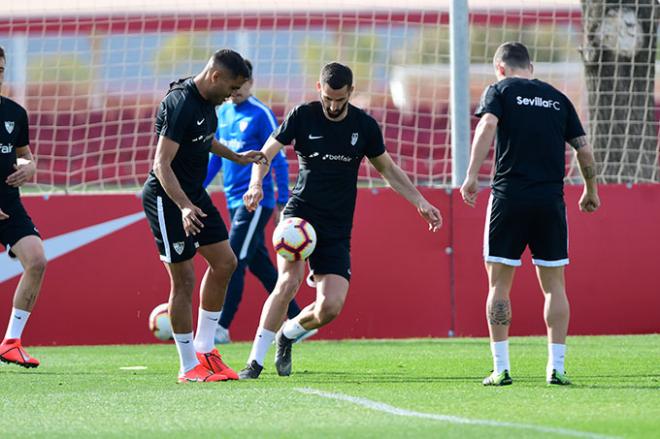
<point x="535" y="122"/>
<point x="186" y="118"/>
<point x="329" y="155"/>
<point x="14" y="133"/>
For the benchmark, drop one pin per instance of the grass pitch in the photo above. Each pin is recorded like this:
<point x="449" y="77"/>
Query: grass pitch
<point x="354" y="389"/>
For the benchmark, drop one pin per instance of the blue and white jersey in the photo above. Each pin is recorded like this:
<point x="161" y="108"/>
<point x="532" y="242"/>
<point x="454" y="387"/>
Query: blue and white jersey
<point x="246" y="127"/>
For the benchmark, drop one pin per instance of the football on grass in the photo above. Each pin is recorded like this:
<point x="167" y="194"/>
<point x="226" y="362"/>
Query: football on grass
<point x="159" y="323"/>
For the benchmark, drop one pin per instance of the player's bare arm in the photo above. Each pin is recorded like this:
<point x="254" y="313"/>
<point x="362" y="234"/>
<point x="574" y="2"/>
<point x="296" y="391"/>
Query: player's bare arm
<point x="166" y="149"/>
<point x="255" y="192"/>
<point x="589" y="201"/>
<point x="483" y="139"/>
<point x="25" y="167"/>
<point x="400" y="182"/>
<point x="243" y="158"/>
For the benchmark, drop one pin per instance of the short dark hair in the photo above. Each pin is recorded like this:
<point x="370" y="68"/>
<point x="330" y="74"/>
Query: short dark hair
<point x="2" y="53"/>
<point x="248" y="64"/>
<point x="231" y="61"/>
<point x="336" y="75"/>
<point x="513" y="54"/>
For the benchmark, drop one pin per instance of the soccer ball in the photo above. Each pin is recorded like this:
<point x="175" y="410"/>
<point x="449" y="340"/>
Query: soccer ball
<point x="294" y="239"/>
<point x="159" y="323"/>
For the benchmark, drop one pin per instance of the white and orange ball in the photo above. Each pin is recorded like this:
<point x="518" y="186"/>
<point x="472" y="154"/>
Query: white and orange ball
<point x="159" y="323"/>
<point x="294" y="239"/>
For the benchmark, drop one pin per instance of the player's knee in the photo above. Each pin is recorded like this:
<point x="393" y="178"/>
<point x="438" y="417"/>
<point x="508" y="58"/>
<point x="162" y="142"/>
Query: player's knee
<point x="232" y="263"/>
<point x="36" y="264"/>
<point x="288" y="285"/>
<point x="227" y="264"/>
<point x="328" y="311"/>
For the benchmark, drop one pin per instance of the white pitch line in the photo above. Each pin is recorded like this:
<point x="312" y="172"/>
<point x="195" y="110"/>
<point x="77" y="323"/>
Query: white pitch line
<point x="386" y="408"/>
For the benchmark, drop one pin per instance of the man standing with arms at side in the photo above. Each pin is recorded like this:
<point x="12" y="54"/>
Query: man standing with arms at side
<point x="17" y="232"/>
<point x="532" y="121"/>
<point x="244" y="124"/>
<point x="181" y="215"/>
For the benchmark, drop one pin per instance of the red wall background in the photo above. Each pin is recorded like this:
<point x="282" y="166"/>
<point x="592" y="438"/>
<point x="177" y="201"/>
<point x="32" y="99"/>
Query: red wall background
<point x="403" y="280"/>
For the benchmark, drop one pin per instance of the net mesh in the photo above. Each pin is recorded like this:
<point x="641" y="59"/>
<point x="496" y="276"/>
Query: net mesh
<point x="91" y="76"/>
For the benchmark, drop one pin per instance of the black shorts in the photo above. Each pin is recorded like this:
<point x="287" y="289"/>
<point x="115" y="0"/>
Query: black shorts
<point x="17" y="226"/>
<point x="167" y="226"/>
<point x="512" y="225"/>
<point x="332" y="254"/>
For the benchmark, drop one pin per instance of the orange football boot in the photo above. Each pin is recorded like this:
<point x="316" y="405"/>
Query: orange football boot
<point x="200" y="374"/>
<point x="213" y="362"/>
<point x="11" y="351"/>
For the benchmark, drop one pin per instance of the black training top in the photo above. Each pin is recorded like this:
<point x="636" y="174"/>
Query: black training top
<point x="188" y="119"/>
<point x="329" y="155"/>
<point x="535" y="122"/>
<point x="14" y="133"/>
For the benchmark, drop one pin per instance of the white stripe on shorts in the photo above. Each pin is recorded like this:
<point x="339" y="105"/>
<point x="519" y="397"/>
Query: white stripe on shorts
<point x="505" y="261"/>
<point x="487" y="256"/>
<point x="544" y="263"/>
<point x="250" y="233"/>
<point x="487" y="225"/>
<point x="163" y="231"/>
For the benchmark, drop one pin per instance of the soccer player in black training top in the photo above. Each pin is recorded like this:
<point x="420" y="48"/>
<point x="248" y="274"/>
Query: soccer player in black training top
<point x="532" y="122"/>
<point x="17" y="232"/>
<point x="180" y="212"/>
<point x="331" y="139"/>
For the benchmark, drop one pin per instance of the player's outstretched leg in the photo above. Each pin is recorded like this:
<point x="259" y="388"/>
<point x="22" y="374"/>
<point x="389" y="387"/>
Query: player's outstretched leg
<point x="30" y="252"/>
<point x="331" y="291"/>
<point x="308" y="333"/>
<point x="556" y="314"/>
<point x="498" y="315"/>
<point x="290" y="278"/>
<point x="221" y="264"/>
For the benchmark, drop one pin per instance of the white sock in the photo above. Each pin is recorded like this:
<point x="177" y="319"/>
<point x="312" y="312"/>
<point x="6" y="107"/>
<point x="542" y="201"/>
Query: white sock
<point x="186" y="348"/>
<point x="292" y="329"/>
<point x="500" y="350"/>
<point x="17" y="322"/>
<point x="207" y="323"/>
<point x="262" y="342"/>
<point x="556" y="354"/>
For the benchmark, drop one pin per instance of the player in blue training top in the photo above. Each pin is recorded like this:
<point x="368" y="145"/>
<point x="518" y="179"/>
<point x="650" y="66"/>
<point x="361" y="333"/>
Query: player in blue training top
<point x="244" y="124"/>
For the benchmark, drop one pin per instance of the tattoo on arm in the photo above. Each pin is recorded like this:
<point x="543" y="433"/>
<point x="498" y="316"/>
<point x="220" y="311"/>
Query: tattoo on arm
<point x="578" y="142"/>
<point x="499" y="312"/>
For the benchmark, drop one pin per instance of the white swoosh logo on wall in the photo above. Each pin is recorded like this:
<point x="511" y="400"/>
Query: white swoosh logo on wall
<point x="60" y="245"/>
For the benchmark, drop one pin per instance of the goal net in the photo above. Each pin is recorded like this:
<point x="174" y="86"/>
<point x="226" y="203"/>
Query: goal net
<point x="91" y="74"/>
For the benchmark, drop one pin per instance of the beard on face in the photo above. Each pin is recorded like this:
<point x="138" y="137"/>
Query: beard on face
<point x="337" y="113"/>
